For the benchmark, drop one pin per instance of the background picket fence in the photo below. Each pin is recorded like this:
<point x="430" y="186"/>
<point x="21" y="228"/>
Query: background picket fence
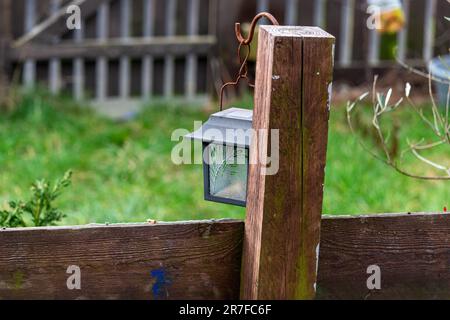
<point x="145" y="49"/>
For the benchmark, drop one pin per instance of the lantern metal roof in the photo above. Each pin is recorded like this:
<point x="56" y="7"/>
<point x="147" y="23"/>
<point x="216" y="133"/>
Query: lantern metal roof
<point x="229" y="127"/>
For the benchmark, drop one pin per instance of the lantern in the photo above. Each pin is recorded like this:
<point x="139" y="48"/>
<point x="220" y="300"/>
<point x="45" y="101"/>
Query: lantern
<point x="227" y="135"/>
<point x="226" y="138"/>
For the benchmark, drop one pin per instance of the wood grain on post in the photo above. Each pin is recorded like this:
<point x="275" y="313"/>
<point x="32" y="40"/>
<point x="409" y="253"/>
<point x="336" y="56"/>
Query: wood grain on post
<point x="282" y="230"/>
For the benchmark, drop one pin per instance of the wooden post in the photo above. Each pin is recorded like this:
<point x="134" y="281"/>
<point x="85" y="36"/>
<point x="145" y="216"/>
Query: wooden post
<point x="5" y="40"/>
<point x="282" y="229"/>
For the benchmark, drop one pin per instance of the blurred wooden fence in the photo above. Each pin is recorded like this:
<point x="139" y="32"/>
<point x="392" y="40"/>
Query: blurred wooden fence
<point x="124" y="48"/>
<point x="163" y="48"/>
<point x="356" y="44"/>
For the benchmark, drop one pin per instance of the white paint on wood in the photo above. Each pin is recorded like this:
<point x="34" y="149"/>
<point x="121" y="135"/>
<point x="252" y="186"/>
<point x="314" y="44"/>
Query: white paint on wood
<point x="147" y="77"/>
<point x="374" y="47"/>
<point x="55" y="75"/>
<point x="54" y="64"/>
<point x="429" y="25"/>
<point x="102" y="78"/>
<point x="193" y="17"/>
<point x="169" y="64"/>
<point x="169" y="75"/>
<point x="78" y="67"/>
<point x="262" y="5"/>
<point x="347" y="28"/>
<point x="30" y="14"/>
<point x="103" y="22"/>
<point x="148" y="18"/>
<point x="102" y="62"/>
<point x="191" y="75"/>
<point x="317" y="262"/>
<point x="29" y="72"/>
<point x="124" y="76"/>
<point x="147" y="62"/>
<point x="125" y="14"/>
<point x="319" y="13"/>
<point x="191" y="60"/>
<point x="291" y="12"/>
<point x="124" y="72"/>
<point x="170" y="21"/>
<point x="402" y="37"/>
<point x="78" y="76"/>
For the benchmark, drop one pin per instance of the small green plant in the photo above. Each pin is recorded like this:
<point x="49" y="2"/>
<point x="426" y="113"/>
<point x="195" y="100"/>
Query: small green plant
<point x="40" y="208"/>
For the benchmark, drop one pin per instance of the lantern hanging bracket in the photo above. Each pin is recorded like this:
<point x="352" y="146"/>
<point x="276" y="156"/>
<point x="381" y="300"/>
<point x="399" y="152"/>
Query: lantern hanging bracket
<point x="243" y="70"/>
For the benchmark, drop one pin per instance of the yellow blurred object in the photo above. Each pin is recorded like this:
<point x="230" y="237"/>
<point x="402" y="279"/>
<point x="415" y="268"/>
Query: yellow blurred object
<point x="391" y="21"/>
<point x="388" y="15"/>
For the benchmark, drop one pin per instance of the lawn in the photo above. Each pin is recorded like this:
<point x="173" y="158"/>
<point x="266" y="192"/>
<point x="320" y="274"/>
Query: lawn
<point x="123" y="170"/>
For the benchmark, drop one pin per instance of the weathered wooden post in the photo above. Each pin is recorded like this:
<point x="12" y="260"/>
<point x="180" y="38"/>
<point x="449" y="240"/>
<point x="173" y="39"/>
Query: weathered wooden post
<point x="5" y="39"/>
<point x="282" y="230"/>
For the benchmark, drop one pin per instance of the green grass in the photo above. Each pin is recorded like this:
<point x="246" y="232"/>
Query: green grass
<point x="123" y="170"/>
<point x="358" y="183"/>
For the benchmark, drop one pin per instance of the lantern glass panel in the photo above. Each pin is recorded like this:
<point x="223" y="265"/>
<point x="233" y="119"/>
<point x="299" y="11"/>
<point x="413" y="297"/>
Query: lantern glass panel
<point x="228" y="168"/>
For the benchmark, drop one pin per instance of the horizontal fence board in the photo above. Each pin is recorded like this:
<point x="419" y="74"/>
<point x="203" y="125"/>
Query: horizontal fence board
<point x="114" y="48"/>
<point x="195" y="260"/>
<point x="202" y="260"/>
<point x="412" y="251"/>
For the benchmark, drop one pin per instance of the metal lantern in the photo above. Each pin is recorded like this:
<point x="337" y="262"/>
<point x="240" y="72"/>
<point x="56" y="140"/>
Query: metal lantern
<point x="226" y="136"/>
<point x="226" y="140"/>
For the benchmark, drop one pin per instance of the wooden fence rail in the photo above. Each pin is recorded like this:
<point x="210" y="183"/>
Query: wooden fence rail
<point x="202" y="260"/>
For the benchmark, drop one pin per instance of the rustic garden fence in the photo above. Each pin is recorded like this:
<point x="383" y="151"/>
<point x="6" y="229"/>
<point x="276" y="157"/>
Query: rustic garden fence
<point x="125" y="49"/>
<point x="284" y="250"/>
<point x="146" y="49"/>
<point x="358" y="47"/>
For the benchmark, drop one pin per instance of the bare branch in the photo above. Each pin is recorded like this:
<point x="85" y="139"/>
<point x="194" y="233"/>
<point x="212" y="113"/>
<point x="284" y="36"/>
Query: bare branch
<point x="380" y="106"/>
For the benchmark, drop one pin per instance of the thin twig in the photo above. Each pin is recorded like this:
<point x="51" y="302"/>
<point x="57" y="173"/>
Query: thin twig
<point x="381" y="107"/>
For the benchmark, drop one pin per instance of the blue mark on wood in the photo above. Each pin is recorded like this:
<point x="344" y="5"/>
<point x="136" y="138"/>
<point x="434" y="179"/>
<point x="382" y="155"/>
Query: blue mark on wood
<point x="159" y="288"/>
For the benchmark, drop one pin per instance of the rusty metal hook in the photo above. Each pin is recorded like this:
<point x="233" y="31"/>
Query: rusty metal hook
<point x="237" y="27"/>
<point x="242" y="74"/>
<point x="243" y="70"/>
